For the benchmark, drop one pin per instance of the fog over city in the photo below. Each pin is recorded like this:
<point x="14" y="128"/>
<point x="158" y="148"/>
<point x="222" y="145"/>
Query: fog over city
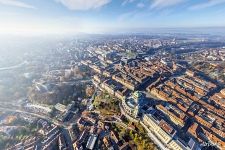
<point x="112" y="75"/>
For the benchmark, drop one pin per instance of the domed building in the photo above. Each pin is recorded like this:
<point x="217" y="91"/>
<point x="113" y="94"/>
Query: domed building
<point x="131" y="105"/>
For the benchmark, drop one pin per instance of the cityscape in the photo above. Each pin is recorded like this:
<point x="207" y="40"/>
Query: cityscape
<point x="141" y="88"/>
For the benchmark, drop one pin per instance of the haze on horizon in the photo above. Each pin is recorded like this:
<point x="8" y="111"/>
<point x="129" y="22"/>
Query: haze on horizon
<point x="101" y="16"/>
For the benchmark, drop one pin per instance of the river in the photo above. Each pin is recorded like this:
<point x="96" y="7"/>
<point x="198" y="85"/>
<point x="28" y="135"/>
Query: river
<point x="15" y="66"/>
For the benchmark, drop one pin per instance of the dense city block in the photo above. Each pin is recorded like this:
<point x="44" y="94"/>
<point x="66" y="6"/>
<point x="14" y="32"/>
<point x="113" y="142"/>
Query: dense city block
<point x="116" y="92"/>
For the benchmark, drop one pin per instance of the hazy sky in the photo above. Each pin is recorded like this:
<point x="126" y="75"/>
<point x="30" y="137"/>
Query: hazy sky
<point x="92" y="16"/>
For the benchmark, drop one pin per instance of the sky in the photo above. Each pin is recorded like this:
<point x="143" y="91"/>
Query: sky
<point x="100" y="16"/>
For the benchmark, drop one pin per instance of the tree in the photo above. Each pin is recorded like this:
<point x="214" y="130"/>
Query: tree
<point x="89" y="91"/>
<point x="143" y="143"/>
<point x="140" y="138"/>
<point x="131" y="134"/>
